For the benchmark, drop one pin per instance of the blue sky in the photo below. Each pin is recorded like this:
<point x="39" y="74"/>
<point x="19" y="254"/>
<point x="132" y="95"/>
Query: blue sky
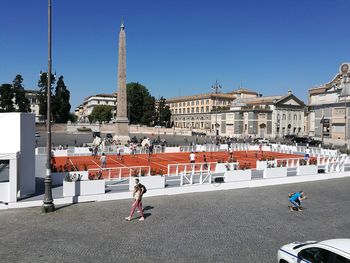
<point x="178" y="47"/>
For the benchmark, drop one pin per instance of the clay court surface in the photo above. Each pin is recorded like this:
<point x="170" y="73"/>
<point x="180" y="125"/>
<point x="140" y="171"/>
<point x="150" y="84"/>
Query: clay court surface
<point x="159" y="162"/>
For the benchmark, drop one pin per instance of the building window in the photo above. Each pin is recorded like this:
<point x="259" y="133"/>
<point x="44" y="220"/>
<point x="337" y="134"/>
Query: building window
<point x="197" y="109"/>
<point x="192" y="103"/>
<point x="207" y="108"/>
<point x="197" y="102"/>
<point x="284" y="117"/>
<point x="207" y="102"/>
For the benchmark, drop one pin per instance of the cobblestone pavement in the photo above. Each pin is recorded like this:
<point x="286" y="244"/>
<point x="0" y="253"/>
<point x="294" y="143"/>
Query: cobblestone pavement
<point x="245" y="225"/>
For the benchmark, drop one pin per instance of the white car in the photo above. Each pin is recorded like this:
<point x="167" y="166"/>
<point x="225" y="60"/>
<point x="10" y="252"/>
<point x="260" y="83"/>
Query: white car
<point x="37" y="134"/>
<point x="328" y="251"/>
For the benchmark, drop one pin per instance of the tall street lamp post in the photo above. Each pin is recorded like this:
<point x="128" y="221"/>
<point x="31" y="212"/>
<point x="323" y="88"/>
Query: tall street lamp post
<point x="216" y="87"/>
<point x="345" y="92"/>
<point x="48" y="205"/>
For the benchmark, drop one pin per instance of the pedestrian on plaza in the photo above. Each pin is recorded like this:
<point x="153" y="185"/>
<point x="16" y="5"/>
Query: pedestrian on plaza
<point x="103" y="160"/>
<point x="231" y="152"/>
<point x="227" y="166"/>
<point x="150" y="149"/>
<point x="296" y="200"/>
<point x="95" y="152"/>
<point x="120" y="153"/>
<point x="137" y="194"/>
<point x="143" y="191"/>
<point x="307" y="154"/>
<point x="205" y="166"/>
<point x="192" y="157"/>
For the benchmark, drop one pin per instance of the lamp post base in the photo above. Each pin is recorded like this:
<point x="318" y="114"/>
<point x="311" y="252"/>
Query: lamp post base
<point x="48" y="208"/>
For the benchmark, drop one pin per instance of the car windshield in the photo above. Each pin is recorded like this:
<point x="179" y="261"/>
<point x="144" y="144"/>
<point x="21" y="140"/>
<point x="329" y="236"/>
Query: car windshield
<point x="304" y="244"/>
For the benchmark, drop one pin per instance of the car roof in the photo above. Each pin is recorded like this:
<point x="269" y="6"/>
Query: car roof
<point x="342" y="244"/>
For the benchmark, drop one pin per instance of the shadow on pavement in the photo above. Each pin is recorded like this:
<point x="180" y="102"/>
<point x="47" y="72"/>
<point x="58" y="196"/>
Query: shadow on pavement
<point x="148" y="208"/>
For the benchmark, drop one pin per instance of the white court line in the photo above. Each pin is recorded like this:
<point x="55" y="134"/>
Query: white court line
<point x="167" y="159"/>
<point x="117" y="162"/>
<point x="153" y="162"/>
<point x="96" y="163"/>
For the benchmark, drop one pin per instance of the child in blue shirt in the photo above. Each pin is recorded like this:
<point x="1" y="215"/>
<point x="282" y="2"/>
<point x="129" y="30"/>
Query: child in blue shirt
<point x="295" y="199"/>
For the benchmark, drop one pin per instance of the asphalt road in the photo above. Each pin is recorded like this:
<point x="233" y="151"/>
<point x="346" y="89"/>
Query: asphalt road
<point x="245" y="225"/>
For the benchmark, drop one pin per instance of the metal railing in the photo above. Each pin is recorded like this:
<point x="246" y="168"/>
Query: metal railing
<point x="119" y="173"/>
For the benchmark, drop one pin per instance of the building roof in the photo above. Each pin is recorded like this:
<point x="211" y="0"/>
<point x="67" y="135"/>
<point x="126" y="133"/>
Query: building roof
<point x="260" y="100"/>
<point x="103" y="95"/>
<point x="32" y="91"/>
<point x="266" y="100"/>
<point x="201" y="96"/>
<point x="243" y="90"/>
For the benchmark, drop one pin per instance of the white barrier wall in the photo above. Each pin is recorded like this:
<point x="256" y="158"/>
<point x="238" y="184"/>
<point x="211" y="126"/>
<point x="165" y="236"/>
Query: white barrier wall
<point x="151" y="182"/>
<point x="17" y="133"/>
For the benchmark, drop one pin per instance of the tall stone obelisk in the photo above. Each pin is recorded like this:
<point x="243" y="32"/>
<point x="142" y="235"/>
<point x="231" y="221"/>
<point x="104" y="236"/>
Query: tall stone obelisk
<point x="121" y="127"/>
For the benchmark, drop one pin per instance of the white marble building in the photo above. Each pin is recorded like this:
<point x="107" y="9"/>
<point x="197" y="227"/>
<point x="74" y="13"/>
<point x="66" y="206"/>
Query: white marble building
<point x="85" y="109"/>
<point x="263" y="116"/>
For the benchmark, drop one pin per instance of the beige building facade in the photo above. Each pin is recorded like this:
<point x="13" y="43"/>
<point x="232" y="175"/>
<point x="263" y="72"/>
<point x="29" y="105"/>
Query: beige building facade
<point x="240" y="113"/>
<point x="195" y="111"/>
<point x="329" y="107"/>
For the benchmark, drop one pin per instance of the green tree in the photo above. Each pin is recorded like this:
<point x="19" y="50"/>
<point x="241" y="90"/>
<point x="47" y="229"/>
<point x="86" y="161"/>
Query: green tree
<point x="21" y="101"/>
<point x="163" y="113"/>
<point x="101" y="113"/>
<point x="61" y="105"/>
<point x="149" y="112"/>
<point x="141" y="105"/>
<point x="6" y="98"/>
<point x="42" y="96"/>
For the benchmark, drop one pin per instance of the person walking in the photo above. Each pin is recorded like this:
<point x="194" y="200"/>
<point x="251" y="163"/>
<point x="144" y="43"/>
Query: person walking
<point x="103" y="160"/>
<point x="205" y="166"/>
<point x="137" y="194"/>
<point x="143" y="191"/>
<point x="307" y="153"/>
<point x="150" y="151"/>
<point x="192" y="157"/>
<point x="95" y="151"/>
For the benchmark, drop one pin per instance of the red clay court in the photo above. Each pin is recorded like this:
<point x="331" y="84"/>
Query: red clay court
<point x="159" y="162"/>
